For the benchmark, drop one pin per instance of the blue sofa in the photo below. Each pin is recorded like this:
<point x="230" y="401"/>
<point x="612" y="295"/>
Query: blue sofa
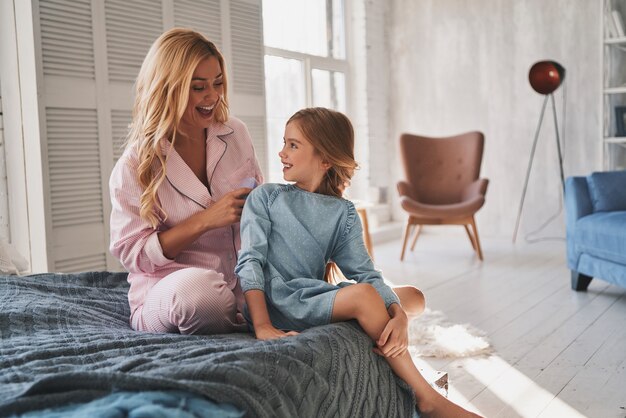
<point x="596" y="228"/>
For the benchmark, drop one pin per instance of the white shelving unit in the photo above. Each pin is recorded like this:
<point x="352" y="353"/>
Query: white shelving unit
<point x="614" y="86"/>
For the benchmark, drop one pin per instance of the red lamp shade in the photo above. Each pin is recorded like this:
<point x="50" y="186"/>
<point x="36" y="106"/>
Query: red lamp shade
<point x="546" y="76"/>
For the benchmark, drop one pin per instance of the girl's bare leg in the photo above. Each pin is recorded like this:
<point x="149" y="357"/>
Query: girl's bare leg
<point x="363" y="303"/>
<point x="411" y="298"/>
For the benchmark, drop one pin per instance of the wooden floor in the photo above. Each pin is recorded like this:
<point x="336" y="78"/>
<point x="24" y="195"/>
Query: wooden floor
<point x="558" y="353"/>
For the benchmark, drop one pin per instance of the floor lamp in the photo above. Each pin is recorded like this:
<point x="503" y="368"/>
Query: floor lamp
<point x="544" y="77"/>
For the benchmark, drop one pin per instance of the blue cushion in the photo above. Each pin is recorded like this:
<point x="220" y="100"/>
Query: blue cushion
<point x="602" y="235"/>
<point x="608" y="191"/>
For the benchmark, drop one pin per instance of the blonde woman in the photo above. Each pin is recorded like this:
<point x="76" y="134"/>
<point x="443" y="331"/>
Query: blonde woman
<point x="177" y="192"/>
<point x="290" y="232"/>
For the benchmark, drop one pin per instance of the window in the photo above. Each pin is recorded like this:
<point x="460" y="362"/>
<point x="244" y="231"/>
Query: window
<point x="305" y="64"/>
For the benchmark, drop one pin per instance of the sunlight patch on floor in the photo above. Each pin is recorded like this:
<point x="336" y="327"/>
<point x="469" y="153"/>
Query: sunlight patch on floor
<point x="515" y="389"/>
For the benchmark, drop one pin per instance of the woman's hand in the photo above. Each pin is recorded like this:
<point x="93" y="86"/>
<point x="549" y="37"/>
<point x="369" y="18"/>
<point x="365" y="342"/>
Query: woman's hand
<point x="268" y="332"/>
<point x="394" y="340"/>
<point x="224" y="212"/>
<point x="227" y="210"/>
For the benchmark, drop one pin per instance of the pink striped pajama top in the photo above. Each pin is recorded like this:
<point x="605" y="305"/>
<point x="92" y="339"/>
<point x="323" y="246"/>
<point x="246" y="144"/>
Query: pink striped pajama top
<point x="230" y="159"/>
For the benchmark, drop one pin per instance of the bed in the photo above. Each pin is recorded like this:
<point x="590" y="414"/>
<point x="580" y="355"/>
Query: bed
<point x="66" y="348"/>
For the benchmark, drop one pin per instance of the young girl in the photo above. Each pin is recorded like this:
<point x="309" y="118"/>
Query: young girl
<point x="291" y="232"/>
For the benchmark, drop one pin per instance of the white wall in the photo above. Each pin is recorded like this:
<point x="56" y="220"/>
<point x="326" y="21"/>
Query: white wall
<point x="459" y="66"/>
<point x="369" y="104"/>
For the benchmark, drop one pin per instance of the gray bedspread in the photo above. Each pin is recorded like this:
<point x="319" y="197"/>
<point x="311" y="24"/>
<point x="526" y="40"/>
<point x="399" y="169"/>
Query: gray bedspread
<point x="66" y="338"/>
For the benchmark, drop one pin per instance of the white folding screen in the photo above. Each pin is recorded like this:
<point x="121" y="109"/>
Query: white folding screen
<point x="200" y="15"/>
<point x="89" y="53"/>
<point x="246" y="71"/>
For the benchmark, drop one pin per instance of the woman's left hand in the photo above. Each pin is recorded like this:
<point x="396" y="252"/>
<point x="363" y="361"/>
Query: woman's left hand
<point x="394" y="340"/>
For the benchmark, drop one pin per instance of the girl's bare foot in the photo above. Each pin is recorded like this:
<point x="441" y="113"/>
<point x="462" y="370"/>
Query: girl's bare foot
<point x="443" y="408"/>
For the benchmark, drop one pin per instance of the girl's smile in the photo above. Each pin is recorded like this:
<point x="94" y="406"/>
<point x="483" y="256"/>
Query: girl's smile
<point x="302" y="164"/>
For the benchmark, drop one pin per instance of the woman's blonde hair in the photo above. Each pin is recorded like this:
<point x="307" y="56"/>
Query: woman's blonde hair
<point x="332" y="136"/>
<point x="161" y="96"/>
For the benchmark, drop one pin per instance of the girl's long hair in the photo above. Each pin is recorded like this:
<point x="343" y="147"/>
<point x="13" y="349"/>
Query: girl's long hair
<point x="332" y="136"/>
<point x="161" y="96"/>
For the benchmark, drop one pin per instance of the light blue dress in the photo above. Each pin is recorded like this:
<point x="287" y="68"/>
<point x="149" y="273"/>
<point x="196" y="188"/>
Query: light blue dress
<point x="288" y="235"/>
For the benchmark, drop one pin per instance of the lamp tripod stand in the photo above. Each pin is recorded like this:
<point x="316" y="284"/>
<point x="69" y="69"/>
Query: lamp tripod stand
<point x="545" y="77"/>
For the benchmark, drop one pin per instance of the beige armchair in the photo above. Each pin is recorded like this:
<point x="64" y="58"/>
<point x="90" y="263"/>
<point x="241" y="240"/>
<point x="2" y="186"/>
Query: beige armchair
<point x="442" y="185"/>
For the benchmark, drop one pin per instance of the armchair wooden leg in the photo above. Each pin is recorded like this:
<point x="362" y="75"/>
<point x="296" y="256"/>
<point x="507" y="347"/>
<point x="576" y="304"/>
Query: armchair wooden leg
<point x="479" y="251"/>
<point x="418" y="229"/>
<point x="407" y="232"/>
<point x="471" y="238"/>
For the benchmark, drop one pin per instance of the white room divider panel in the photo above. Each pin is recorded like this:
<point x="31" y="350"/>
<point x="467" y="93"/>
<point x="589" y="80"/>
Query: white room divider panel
<point x="87" y="55"/>
<point x="200" y="15"/>
<point x="246" y="71"/>
<point x="131" y="27"/>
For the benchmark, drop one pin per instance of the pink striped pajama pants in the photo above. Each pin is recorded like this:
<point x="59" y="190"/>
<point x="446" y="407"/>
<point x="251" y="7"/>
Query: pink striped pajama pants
<point x="191" y="301"/>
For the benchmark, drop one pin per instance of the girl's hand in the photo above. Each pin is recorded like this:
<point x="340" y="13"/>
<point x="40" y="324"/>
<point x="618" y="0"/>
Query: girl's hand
<point x="268" y="332"/>
<point x="394" y="340"/>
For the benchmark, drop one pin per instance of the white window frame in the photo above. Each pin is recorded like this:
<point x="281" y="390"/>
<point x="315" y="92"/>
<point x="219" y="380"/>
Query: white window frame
<point x="316" y="62"/>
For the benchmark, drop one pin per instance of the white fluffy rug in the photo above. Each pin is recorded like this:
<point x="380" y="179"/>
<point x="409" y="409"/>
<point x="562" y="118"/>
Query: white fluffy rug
<point x="432" y="335"/>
